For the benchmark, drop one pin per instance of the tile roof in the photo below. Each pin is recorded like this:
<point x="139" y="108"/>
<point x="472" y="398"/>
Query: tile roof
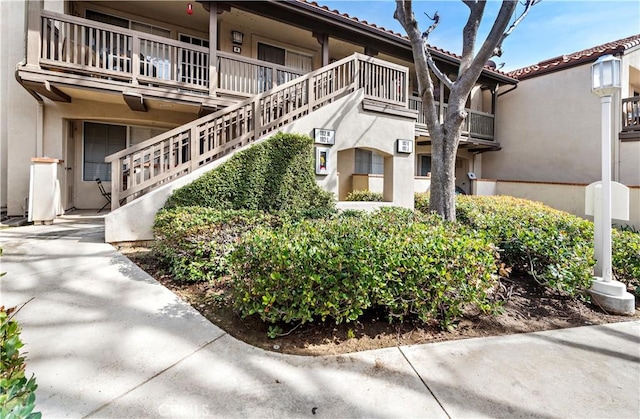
<point x="355" y="20"/>
<point x="580" y="57"/>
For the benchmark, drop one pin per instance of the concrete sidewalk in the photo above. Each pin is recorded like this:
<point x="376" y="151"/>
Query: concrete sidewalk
<point x="106" y="340"/>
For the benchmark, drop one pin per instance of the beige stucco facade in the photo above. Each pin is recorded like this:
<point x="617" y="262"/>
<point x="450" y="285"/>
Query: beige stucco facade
<point x="550" y="129"/>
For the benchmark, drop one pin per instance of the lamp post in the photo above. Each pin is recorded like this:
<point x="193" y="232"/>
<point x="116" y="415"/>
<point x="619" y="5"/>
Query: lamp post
<point x="605" y="82"/>
<point x="610" y="294"/>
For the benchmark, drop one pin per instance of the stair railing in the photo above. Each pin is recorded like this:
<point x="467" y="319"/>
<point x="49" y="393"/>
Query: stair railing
<point x="151" y="163"/>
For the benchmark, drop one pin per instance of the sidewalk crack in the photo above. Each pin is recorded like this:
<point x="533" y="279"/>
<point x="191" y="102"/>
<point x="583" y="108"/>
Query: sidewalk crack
<point x="152" y="377"/>
<point x="424" y="382"/>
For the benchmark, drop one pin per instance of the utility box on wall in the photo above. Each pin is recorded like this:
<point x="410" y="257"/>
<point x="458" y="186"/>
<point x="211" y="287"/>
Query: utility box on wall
<point x="44" y="190"/>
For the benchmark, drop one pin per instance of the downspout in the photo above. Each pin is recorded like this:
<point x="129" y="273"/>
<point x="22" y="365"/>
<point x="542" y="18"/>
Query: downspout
<point x="515" y="86"/>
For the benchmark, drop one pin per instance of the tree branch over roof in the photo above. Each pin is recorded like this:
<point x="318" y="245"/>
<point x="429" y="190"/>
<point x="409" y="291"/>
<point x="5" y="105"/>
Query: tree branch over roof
<point x="476" y="11"/>
<point x="404" y="14"/>
<point x="527" y="6"/>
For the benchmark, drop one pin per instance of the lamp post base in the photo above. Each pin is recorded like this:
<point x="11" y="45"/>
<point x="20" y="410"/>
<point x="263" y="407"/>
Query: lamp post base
<point x="612" y="296"/>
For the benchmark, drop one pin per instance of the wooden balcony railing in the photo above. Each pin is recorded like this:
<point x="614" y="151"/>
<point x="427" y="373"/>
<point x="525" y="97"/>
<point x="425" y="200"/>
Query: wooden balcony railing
<point x="143" y="167"/>
<point x="478" y="124"/>
<point x="237" y="74"/>
<point x="97" y="49"/>
<point x="631" y="114"/>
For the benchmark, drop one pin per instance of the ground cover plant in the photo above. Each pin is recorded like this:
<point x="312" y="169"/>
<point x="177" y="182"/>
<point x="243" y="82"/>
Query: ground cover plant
<point x="17" y="395"/>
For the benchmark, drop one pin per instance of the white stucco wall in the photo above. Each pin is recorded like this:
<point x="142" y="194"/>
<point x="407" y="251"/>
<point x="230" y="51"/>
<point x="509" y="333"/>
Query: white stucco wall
<point x="18" y="112"/>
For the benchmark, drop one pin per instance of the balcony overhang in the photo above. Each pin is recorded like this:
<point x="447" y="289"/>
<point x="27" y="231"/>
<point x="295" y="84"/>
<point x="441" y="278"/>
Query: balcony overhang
<point x="473" y="145"/>
<point x="67" y="87"/>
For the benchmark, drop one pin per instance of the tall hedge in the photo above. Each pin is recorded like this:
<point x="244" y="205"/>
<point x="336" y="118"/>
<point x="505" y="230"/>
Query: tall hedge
<point x="274" y="175"/>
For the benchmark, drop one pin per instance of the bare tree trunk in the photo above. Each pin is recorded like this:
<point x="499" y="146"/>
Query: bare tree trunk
<point x="445" y="137"/>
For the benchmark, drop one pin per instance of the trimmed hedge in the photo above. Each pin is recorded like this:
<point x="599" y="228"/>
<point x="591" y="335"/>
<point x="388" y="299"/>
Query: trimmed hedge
<point x="553" y="246"/>
<point x="626" y="258"/>
<point x="193" y="243"/>
<point x="17" y="393"/>
<point x="364" y="196"/>
<point x="340" y="267"/>
<point x="274" y="175"/>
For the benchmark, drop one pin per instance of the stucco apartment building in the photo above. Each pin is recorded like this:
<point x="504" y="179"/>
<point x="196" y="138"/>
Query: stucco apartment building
<point x="550" y="131"/>
<point x="147" y="96"/>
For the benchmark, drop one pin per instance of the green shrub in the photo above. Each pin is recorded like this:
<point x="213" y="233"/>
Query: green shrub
<point x="554" y="246"/>
<point x="17" y="393"/>
<point x="193" y="243"/>
<point x="626" y="258"/>
<point x="364" y="196"/>
<point x="421" y="202"/>
<point x="274" y="175"/>
<point x="340" y="267"/>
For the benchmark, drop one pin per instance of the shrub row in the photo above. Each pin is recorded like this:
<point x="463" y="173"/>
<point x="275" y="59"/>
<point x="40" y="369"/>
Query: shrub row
<point x="193" y="243"/>
<point x="625" y="258"/>
<point x="555" y="246"/>
<point x="340" y="267"/>
<point x="274" y="175"/>
<point x="364" y="196"/>
<point x="551" y="245"/>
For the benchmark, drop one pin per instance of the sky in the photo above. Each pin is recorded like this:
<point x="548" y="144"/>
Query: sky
<point x="552" y="27"/>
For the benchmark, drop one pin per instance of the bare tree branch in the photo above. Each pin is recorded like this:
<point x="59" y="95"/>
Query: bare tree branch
<point x="436" y="20"/>
<point x="527" y="6"/>
<point x="435" y="70"/>
<point x="404" y="15"/>
<point x="476" y="11"/>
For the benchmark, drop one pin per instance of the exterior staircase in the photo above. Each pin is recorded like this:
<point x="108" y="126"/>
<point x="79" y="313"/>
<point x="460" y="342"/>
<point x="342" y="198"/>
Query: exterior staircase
<point x="146" y="166"/>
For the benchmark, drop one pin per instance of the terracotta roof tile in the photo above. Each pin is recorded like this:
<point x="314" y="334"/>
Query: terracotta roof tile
<point x="580" y="57"/>
<point x="391" y="32"/>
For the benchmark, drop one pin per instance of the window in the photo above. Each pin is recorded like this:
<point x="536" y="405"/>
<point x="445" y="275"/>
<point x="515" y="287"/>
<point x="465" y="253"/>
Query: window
<point x="425" y="165"/>
<point x="369" y="163"/>
<point x="280" y="56"/>
<point x="101" y="140"/>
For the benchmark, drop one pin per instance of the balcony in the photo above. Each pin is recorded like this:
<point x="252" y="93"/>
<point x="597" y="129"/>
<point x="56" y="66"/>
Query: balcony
<point x="78" y="52"/>
<point x="478" y="127"/>
<point x="630" y="119"/>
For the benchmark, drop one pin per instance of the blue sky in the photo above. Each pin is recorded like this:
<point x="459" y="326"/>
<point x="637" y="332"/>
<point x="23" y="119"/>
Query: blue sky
<point x="552" y="27"/>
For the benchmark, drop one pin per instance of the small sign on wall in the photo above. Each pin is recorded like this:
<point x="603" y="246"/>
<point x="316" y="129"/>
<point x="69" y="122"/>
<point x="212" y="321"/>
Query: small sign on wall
<point x="322" y="160"/>
<point x="324" y="136"/>
<point x="404" y="146"/>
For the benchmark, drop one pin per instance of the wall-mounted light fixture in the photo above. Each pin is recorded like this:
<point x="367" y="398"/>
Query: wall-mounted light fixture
<point x="189" y="8"/>
<point x="237" y="37"/>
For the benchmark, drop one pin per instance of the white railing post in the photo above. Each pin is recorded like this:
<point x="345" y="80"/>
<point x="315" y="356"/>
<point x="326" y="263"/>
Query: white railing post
<point x="116" y="183"/>
<point x="35" y="26"/>
<point x="135" y="59"/>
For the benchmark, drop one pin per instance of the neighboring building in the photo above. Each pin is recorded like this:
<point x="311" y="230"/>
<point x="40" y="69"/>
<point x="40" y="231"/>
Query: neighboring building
<point x="550" y="131"/>
<point x="84" y="80"/>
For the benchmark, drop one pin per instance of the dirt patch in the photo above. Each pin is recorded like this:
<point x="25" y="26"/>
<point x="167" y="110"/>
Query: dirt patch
<point x="529" y="307"/>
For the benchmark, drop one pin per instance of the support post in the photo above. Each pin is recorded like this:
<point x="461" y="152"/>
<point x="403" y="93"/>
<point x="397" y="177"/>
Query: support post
<point x="213" y="48"/>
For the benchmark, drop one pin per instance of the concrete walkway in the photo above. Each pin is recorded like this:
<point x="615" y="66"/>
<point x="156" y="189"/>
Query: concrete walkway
<point x="106" y="340"/>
